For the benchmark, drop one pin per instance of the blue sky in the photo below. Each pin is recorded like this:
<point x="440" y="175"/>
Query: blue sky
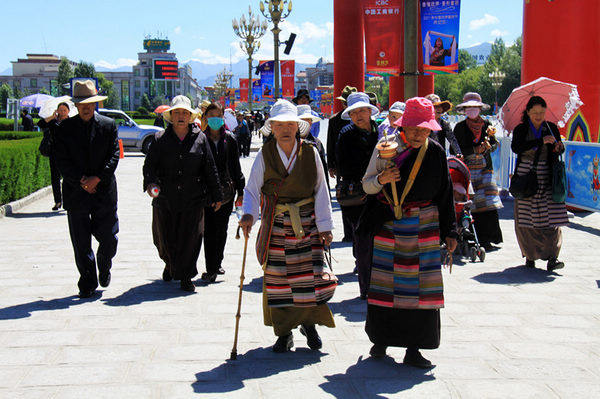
<point x="109" y="33"/>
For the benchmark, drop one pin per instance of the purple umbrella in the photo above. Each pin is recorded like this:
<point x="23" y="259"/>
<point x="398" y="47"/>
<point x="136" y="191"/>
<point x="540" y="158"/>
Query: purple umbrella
<point x="34" y="100"/>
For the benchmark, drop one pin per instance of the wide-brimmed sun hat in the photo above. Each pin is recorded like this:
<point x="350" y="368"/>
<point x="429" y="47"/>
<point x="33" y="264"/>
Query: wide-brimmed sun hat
<point x="284" y="111"/>
<point x="358" y="100"/>
<point x="398" y="107"/>
<point x="302" y="93"/>
<point x="346" y="92"/>
<point x="305" y="112"/>
<point x="180" y="102"/>
<point x="472" y="99"/>
<point x="419" y="112"/>
<point x="435" y="99"/>
<point x="85" y="92"/>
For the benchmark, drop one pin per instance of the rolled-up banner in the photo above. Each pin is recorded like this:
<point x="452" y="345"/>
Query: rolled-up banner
<point x="256" y="91"/>
<point x="267" y="78"/>
<point x="288" y="76"/>
<point x="244" y="83"/>
<point x="440" y="21"/>
<point x="383" y="35"/>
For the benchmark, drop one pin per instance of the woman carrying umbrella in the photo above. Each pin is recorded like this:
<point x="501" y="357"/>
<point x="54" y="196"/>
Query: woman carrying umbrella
<point x="476" y="139"/>
<point x="538" y="218"/>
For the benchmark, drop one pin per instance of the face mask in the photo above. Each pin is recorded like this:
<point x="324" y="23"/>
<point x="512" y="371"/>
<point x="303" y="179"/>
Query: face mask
<point x="215" y="122"/>
<point x="472" y="113"/>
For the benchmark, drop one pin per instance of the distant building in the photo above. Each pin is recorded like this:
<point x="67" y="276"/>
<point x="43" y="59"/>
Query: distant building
<point x="320" y="75"/>
<point x="37" y="71"/>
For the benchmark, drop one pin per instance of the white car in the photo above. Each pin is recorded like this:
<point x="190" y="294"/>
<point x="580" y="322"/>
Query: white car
<point x="134" y="136"/>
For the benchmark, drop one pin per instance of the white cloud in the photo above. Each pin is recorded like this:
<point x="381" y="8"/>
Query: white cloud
<point x="121" y="62"/>
<point x="178" y="30"/>
<point x="486" y="20"/>
<point x="498" y="33"/>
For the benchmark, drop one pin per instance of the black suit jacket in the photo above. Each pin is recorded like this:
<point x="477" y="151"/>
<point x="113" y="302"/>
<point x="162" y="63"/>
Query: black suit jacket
<point x="79" y="154"/>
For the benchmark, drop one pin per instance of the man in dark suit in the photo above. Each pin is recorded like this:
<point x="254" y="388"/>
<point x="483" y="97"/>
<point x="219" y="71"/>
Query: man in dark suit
<point x="87" y="153"/>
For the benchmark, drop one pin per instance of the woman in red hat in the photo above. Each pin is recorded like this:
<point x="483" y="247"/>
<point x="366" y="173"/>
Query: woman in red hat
<point x="406" y="287"/>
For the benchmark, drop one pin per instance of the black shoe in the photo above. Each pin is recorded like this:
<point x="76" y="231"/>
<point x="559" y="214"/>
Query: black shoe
<point x="377" y="350"/>
<point x="104" y="279"/>
<point x="221" y="271"/>
<point x="284" y="343"/>
<point x="86" y="293"/>
<point x="554" y="264"/>
<point x="312" y="337"/>
<point x="209" y="277"/>
<point x="414" y="358"/>
<point x="167" y="274"/>
<point x="530" y="263"/>
<point x="188" y="286"/>
<point x="56" y="206"/>
<point x="347" y="239"/>
<point x="363" y="296"/>
<point x="355" y="270"/>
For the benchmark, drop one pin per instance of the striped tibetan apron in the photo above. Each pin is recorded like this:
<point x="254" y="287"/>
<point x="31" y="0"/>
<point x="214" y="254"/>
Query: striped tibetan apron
<point x="486" y="196"/>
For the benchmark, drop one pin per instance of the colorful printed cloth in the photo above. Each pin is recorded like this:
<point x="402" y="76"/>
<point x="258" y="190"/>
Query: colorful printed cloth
<point x="486" y="196"/>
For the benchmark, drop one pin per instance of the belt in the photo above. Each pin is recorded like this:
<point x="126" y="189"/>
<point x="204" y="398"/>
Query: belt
<point x="294" y="210"/>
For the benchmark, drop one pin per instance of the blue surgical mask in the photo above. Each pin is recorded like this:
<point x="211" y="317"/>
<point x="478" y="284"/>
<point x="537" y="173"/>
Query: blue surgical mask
<point x="215" y="122"/>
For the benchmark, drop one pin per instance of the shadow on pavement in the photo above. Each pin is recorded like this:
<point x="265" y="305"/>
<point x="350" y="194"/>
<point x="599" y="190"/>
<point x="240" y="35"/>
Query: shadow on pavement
<point x="340" y="244"/>
<point x="585" y="229"/>
<point x="375" y="378"/>
<point x="255" y="285"/>
<point x="31" y="215"/>
<point x="254" y="364"/>
<point x="516" y="275"/>
<point x="353" y="310"/>
<point x="157" y="290"/>
<point x="26" y="309"/>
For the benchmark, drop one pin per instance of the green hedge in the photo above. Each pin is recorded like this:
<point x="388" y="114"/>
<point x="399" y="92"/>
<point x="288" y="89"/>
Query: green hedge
<point x="9" y="124"/>
<point x="23" y="170"/>
<point x="12" y="135"/>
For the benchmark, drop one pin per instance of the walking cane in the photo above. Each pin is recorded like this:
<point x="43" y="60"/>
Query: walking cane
<point x="239" y="307"/>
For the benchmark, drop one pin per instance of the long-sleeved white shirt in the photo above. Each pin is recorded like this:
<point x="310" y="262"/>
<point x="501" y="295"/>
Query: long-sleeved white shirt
<point x="251" y="205"/>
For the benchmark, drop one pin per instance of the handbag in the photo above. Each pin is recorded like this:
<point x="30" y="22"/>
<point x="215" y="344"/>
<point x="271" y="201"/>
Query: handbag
<point x="45" y="145"/>
<point x="559" y="181"/>
<point x="350" y="193"/>
<point x="525" y="186"/>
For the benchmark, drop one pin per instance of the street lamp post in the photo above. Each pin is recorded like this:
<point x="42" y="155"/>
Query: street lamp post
<point x="249" y="31"/>
<point x="497" y="76"/>
<point x="277" y="12"/>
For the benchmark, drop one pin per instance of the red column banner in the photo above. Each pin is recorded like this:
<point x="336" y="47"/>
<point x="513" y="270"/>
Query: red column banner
<point x="244" y="82"/>
<point x="288" y="75"/>
<point x="383" y="34"/>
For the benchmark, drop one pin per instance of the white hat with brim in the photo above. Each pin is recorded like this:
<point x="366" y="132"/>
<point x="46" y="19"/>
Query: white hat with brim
<point x="181" y="102"/>
<point x="398" y="107"/>
<point x="285" y="111"/>
<point x="472" y="99"/>
<point x="358" y="100"/>
<point x="85" y="92"/>
<point x="305" y="112"/>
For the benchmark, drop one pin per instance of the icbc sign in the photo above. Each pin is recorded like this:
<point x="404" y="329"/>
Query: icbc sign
<point x="165" y="69"/>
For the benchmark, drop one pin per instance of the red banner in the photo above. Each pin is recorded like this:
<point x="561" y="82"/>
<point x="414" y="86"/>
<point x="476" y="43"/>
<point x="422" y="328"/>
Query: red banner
<point x="383" y="33"/>
<point x="244" y="83"/>
<point x="288" y="76"/>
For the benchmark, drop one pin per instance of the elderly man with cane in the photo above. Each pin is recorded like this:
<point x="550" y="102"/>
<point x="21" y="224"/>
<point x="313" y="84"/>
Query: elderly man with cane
<point x="296" y="224"/>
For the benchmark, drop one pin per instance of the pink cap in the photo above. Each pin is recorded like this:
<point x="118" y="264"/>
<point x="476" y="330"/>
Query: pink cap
<point x="419" y="112"/>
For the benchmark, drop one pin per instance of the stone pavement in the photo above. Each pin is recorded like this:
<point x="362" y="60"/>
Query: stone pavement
<point x="507" y="331"/>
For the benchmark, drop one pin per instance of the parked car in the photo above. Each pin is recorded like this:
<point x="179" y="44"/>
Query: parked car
<point x="134" y="136"/>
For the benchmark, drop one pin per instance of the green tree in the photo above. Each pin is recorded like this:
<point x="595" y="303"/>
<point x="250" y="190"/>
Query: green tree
<point x="108" y="89"/>
<point x="85" y="70"/>
<point x="497" y="52"/>
<point x="6" y="92"/>
<point x="159" y="100"/>
<point x="65" y="73"/>
<point x="465" y="60"/>
<point x="146" y="102"/>
<point x="43" y="90"/>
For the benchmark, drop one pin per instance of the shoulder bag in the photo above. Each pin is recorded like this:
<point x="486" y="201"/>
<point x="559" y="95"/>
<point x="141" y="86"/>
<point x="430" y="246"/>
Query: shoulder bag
<point x="525" y="186"/>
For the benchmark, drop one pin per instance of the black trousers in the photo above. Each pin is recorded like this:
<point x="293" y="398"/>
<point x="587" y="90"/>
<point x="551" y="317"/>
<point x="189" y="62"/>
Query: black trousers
<point x="215" y="235"/>
<point x="102" y="222"/>
<point x="362" y="248"/>
<point x="178" y="238"/>
<point x="55" y="179"/>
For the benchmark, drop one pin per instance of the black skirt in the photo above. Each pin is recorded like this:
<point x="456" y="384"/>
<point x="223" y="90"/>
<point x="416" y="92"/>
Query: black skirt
<point x="487" y="227"/>
<point x="407" y="328"/>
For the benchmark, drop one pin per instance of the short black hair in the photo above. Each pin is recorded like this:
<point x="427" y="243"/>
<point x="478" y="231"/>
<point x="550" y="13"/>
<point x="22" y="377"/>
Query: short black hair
<point x="533" y="101"/>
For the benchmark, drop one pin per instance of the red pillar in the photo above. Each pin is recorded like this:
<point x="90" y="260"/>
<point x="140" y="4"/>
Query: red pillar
<point x="348" y="47"/>
<point x="567" y="49"/>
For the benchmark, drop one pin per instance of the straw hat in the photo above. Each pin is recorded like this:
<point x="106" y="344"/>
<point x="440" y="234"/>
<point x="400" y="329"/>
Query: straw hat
<point x="180" y="102"/>
<point x="435" y="99"/>
<point x="419" y="112"/>
<point x="358" y="100"/>
<point x="304" y="112"/>
<point x="285" y="111"/>
<point x="85" y="92"/>
<point x="472" y="99"/>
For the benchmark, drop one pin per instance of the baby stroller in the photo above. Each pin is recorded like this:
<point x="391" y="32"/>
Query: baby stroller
<point x="468" y="244"/>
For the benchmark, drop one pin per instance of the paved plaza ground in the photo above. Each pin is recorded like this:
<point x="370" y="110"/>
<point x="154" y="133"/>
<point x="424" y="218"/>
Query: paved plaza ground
<point x="507" y="331"/>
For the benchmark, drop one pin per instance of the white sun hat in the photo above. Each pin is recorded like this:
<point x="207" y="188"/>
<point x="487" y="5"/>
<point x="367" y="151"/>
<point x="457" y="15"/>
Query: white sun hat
<point x="398" y="107"/>
<point x="358" y="100"/>
<point x="181" y="102"/>
<point x="305" y="112"/>
<point x="285" y="111"/>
